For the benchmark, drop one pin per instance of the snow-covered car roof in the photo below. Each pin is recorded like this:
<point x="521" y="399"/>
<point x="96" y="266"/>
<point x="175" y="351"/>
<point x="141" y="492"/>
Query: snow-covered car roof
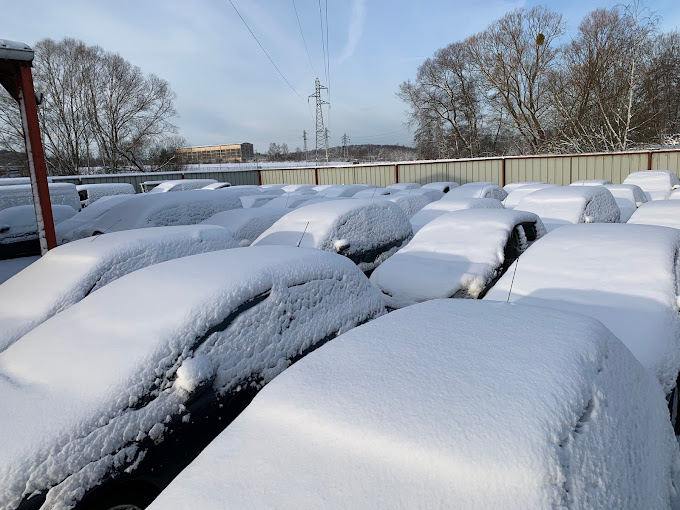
<point x="288" y="201"/>
<point x="288" y="188"/>
<point x="70" y="272"/>
<point x="98" y="385"/>
<point x="374" y="192"/>
<point x="477" y="190"/>
<point x="65" y="229"/>
<point x="443" y="186"/>
<point x="404" y="185"/>
<point x="366" y="231"/>
<point x="94" y="192"/>
<point x="409" y="203"/>
<point x="431" y="193"/>
<point x="270" y="190"/>
<point x="246" y="224"/>
<point x="181" y="185"/>
<point x="657" y="184"/>
<point x="458" y="254"/>
<point x="509" y="188"/>
<point x="343" y="190"/>
<point x="519" y="192"/>
<point x="664" y="213"/>
<point x="449" y="403"/>
<point x="562" y="205"/>
<point x="257" y="200"/>
<point x="160" y="210"/>
<point x="61" y="193"/>
<point x="628" y="197"/>
<point x="591" y="182"/>
<point x="623" y="275"/>
<point x="219" y="185"/>
<point x="436" y="209"/>
<point x="19" y="224"/>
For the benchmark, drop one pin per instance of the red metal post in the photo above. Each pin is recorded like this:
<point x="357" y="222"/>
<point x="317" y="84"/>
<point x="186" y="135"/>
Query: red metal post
<point x="649" y="160"/>
<point x="503" y="173"/>
<point x="316" y="176"/>
<point x="396" y="174"/>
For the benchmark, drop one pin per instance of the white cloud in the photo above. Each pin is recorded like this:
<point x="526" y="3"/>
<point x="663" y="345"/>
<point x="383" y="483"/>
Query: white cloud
<point x="356" y="29"/>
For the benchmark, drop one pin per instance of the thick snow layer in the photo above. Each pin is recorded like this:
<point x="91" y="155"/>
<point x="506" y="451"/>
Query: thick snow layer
<point x="19" y="224"/>
<point x="270" y="190"/>
<point x="448" y="404"/>
<point x="443" y="186"/>
<point x="370" y="230"/>
<point x="657" y="184"/>
<point x="458" y="254"/>
<point x="431" y="194"/>
<point x="509" y="188"/>
<point x="623" y="275"/>
<point x="271" y="186"/>
<point x="404" y="185"/>
<point x="476" y="190"/>
<point x="628" y="197"/>
<point x="519" y="192"/>
<point x="182" y="185"/>
<point x="409" y="203"/>
<point x="85" y="387"/>
<point x="246" y="224"/>
<point x="21" y="194"/>
<point x="561" y="205"/>
<point x="374" y="192"/>
<point x="288" y="201"/>
<point x="436" y="209"/>
<point x="10" y="267"/>
<point x="65" y="229"/>
<point x="160" y="210"/>
<point x="69" y="273"/>
<point x="664" y="213"/>
<point x="94" y="192"/>
<point x="256" y="200"/>
<point x="344" y="190"/>
<point x="288" y="188"/>
<point x="316" y="200"/>
<point x="591" y="182"/>
<point x="218" y="185"/>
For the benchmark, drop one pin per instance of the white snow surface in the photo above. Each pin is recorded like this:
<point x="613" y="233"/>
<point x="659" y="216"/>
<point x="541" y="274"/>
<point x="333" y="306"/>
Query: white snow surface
<point x="459" y="251"/>
<point x="69" y="273"/>
<point x="591" y="182"/>
<point x="628" y="197"/>
<point x="509" y="188"/>
<point x="161" y="210"/>
<point x="435" y="209"/>
<point x="270" y="190"/>
<point x="182" y="185"/>
<point x="665" y="213"/>
<point x="477" y="190"/>
<point x="374" y="192"/>
<point x="21" y="194"/>
<point x="65" y="229"/>
<point x="256" y="200"/>
<point x="657" y="184"/>
<point x="366" y="226"/>
<point x="10" y="267"/>
<point x="624" y="275"/>
<point x="404" y="185"/>
<point x="288" y="201"/>
<point x="519" y="192"/>
<point x="97" y="191"/>
<point x="288" y="188"/>
<point x="562" y="205"/>
<point x="246" y="224"/>
<point x="73" y="395"/>
<point x="443" y="186"/>
<point x="218" y="185"/>
<point x="431" y="194"/>
<point x="344" y="190"/>
<point x="448" y="404"/>
<point x="409" y="203"/>
<point x="19" y="224"/>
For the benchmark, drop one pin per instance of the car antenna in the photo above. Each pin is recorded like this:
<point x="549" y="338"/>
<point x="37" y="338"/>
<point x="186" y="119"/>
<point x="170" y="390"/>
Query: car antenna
<point x="107" y="228"/>
<point x="513" y="280"/>
<point x="303" y="235"/>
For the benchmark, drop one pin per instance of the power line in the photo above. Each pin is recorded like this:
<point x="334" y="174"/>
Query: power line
<point x="265" y="51"/>
<point x="303" y="38"/>
<point x="323" y="43"/>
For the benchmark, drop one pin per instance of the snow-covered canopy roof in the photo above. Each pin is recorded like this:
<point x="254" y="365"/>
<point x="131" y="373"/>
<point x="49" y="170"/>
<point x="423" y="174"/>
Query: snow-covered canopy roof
<point x="477" y="190"/>
<point x="519" y="192"/>
<point x="459" y="252"/>
<point x="561" y="205"/>
<point x="435" y="209"/>
<point x="77" y="384"/>
<point x="665" y="213"/>
<point x="623" y="275"/>
<point x="14" y="50"/>
<point x="68" y="273"/>
<point x="246" y="224"/>
<point x="447" y="403"/>
<point x="657" y="184"/>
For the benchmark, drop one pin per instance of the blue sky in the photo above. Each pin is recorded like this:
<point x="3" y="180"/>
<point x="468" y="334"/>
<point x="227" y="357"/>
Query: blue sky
<point x="227" y="90"/>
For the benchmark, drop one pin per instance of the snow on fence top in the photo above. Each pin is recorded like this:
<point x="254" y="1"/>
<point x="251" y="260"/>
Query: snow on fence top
<point x="21" y="194"/>
<point x="657" y="184"/>
<point x="86" y="388"/>
<point x="665" y="213"/>
<point x="623" y="275"/>
<point x="456" y="255"/>
<point x="477" y="190"/>
<point x="69" y="273"/>
<point x="440" y="207"/>
<point x="448" y="403"/>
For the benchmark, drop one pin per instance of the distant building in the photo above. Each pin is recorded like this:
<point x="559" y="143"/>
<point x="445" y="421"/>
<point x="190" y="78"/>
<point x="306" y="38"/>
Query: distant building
<point x="235" y="153"/>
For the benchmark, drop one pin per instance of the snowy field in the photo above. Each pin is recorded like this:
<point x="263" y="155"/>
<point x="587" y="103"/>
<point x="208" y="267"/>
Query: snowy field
<point x="468" y="346"/>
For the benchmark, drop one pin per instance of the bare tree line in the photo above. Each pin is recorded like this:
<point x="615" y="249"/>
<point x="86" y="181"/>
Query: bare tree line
<point x="98" y="109"/>
<point x="517" y="88"/>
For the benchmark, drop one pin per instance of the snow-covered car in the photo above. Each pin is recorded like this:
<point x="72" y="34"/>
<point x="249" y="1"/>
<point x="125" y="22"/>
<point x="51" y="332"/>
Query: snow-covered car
<point x="436" y="209"/>
<point x="430" y="193"/>
<point x="448" y="404"/>
<point x="181" y="185"/>
<point x="409" y="203"/>
<point x="290" y="188"/>
<point x="90" y="193"/>
<point x="19" y="229"/>
<point x="628" y="197"/>
<point x="626" y="276"/>
<point x="365" y="231"/>
<point x="288" y="201"/>
<point x="477" y="190"/>
<point x="591" y="182"/>
<point x="401" y="186"/>
<point x="218" y="185"/>
<point x="65" y="229"/>
<point x="344" y="190"/>
<point x="258" y="200"/>
<point x="443" y="186"/>
<point x="160" y="210"/>
<point x="246" y="225"/>
<point x="69" y="273"/>
<point x="509" y="188"/>
<point x="374" y="192"/>
<point x="461" y="254"/>
<point x="519" y="192"/>
<point x="147" y="186"/>
<point x="62" y="193"/>
<point x="114" y="396"/>
<point x="664" y="213"/>
<point x="657" y="184"/>
<point x="563" y="205"/>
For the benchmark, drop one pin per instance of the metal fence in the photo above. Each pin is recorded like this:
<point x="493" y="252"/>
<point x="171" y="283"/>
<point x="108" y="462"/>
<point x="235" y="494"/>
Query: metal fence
<point x="557" y="169"/>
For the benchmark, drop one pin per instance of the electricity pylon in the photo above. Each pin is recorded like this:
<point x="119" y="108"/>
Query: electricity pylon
<point x="321" y="139"/>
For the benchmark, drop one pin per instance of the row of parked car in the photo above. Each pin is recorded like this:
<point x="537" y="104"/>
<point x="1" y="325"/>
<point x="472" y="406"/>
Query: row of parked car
<point x="126" y="352"/>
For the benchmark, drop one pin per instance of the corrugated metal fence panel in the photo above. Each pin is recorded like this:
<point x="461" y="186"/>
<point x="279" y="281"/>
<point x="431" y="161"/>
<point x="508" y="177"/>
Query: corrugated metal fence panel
<point x="475" y="170"/>
<point x="380" y="175"/>
<point x="288" y="176"/>
<point x="614" y="167"/>
<point x="666" y="161"/>
<point x="553" y="170"/>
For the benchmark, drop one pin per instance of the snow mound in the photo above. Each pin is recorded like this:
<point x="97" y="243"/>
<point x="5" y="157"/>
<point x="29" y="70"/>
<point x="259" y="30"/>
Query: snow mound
<point x="19" y="224"/>
<point x="93" y="192"/>
<point x="256" y="200"/>
<point x="69" y="273"/>
<point x="65" y="229"/>
<point x="591" y="182"/>
<point x="409" y="203"/>
<point x="657" y="184"/>
<point x="21" y="194"/>
<point x="449" y="403"/>
<point x="297" y="187"/>
<point x="344" y="190"/>
<point x="374" y="192"/>
<point x="289" y="201"/>
<point x="436" y="209"/>
<point x="83" y="403"/>
<point x="374" y="229"/>
<point x="628" y="197"/>
<point x="432" y="194"/>
<point x="477" y="190"/>
<point x="561" y="205"/>
<point x="403" y="186"/>
<point x="519" y="192"/>
<point x="182" y="185"/>
<point x="444" y="186"/>
<point x="623" y="275"/>
<point x="459" y="254"/>
<point x="664" y="213"/>
<point x="246" y="224"/>
<point x="509" y="188"/>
